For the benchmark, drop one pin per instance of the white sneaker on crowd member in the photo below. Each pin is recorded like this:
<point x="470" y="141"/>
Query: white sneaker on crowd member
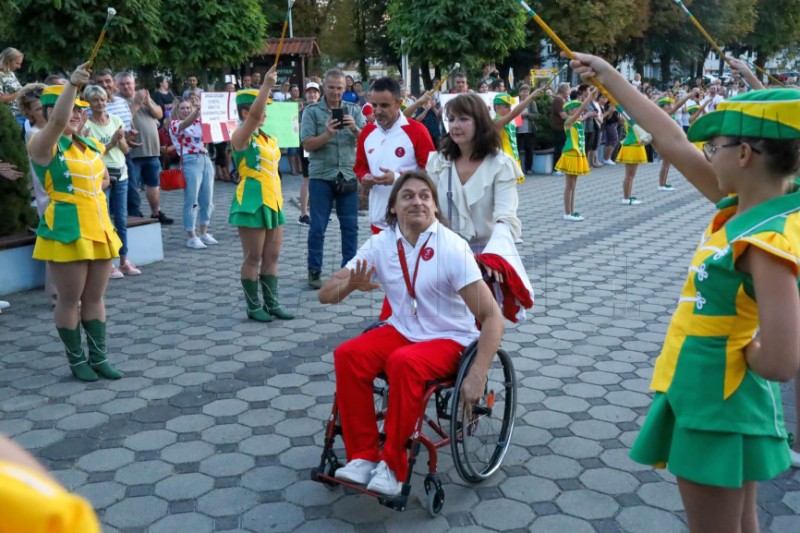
<point x="207" y="238"/>
<point x="795" y="458"/>
<point x="116" y="273"/>
<point x="609" y="162"/>
<point x="356" y="471"/>
<point x="4" y="305"/>
<point x="195" y="243"/>
<point x="384" y="481"/>
<point x="558" y="173"/>
<point x="666" y="187"/>
<point x="630" y="201"/>
<point x="574" y="217"/>
<point x="129" y="269"/>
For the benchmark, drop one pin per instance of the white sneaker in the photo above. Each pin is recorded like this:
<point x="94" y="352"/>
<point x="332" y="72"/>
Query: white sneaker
<point x="630" y="201"/>
<point x="666" y="187"/>
<point x="195" y="243"/>
<point x="116" y="273"/>
<point x="795" y="458"/>
<point x="609" y="162"/>
<point x="4" y="305"/>
<point x="356" y="471"/>
<point x="207" y="238"/>
<point x="558" y="173"/>
<point x="574" y="217"/>
<point x="384" y="481"/>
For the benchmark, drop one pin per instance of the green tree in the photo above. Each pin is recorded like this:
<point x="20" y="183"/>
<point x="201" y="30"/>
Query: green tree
<point x="213" y="34"/>
<point x="443" y="32"/>
<point x="61" y="35"/>
<point x="16" y="212"/>
<point x="777" y="28"/>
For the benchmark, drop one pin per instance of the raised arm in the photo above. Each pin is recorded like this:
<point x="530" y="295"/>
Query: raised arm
<point x="41" y="146"/>
<point x="342" y="283"/>
<point x="517" y="110"/>
<point x="576" y="115"/>
<point x="668" y="138"/>
<point x="747" y="75"/>
<point x="242" y="135"/>
<point x="679" y="104"/>
<point x="409" y="111"/>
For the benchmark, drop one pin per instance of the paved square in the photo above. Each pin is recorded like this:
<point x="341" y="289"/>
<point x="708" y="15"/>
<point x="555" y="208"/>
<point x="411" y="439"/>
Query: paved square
<point x="218" y="419"/>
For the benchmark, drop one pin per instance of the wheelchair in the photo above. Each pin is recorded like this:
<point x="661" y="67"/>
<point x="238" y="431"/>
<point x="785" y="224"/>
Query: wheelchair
<point x="478" y="442"/>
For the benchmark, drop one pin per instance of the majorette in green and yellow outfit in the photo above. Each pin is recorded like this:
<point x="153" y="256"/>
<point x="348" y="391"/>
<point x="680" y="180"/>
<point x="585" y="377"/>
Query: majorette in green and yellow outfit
<point x="573" y="157"/>
<point x="508" y="135"/>
<point x="76" y="227"/>
<point x="631" y="151"/>
<point x="258" y="203"/>
<point x="713" y="420"/>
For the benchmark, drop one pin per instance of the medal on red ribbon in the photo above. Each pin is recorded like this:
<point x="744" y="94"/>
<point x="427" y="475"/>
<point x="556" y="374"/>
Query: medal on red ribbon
<point x="424" y="253"/>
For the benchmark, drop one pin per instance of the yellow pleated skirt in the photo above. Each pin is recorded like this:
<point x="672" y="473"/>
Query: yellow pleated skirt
<point x="574" y="163"/>
<point x="78" y="250"/>
<point x="632" y="154"/>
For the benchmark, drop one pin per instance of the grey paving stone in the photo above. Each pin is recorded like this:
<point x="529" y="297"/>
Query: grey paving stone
<point x="225" y="502"/>
<point x="609" y="481"/>
<point x="39" y="438"/>
<point x="106" y="460"/>
<point x="587" y="504"/>
<point x="136" y="512"/>
<point x="187" y="452"/>
<point x="194" y="522"/>
<point x="530" y="489"/>
<point x="554" y="467"/>
<point x="143" y="472"/>
<point x="102" y="495"/>
<point x="184" y="486"/>
<point x="190" y="423"/>
<point x="662" y="495"/>
<point x="269" y="478"/>
<point x="642" y="518"/>
<point x="226" y="434"/>
<point x="230" y="407"/>
<point x="150" y="440"/>
<point x="503" y="514"/>
<point x="227" y="464"/>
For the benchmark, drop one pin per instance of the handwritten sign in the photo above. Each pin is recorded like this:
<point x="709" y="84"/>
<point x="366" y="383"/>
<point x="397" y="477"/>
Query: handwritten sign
<point x="218" y="116"/>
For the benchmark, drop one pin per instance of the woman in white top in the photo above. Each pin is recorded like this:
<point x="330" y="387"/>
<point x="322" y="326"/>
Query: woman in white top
<point x="477" y="184"/>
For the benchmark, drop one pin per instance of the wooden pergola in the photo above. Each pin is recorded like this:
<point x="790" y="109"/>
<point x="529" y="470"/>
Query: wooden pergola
<point x="297" y="48"/>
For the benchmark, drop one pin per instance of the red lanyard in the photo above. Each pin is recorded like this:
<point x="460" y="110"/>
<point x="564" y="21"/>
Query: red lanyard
<point x="410" y="284"/>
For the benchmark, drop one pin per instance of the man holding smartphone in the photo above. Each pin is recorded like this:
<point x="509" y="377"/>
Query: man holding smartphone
<point x="329" y="132"/>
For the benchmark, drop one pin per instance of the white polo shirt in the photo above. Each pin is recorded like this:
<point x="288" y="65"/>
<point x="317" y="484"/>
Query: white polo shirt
<point x="445" y="267"/>
<point x="404" y="147"/>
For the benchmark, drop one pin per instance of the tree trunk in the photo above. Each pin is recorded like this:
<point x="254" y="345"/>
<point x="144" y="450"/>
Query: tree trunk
<point x="426" y="76"/>
<point x="414" y="85"/>
<point x="666" y="60"/>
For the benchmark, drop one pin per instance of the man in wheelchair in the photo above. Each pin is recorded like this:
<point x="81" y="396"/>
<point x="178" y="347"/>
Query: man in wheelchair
<point x="436" y="292"/>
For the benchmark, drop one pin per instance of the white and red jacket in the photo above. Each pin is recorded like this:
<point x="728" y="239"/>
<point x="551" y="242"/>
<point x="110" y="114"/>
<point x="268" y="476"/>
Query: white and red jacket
<point x="402" y="148"/>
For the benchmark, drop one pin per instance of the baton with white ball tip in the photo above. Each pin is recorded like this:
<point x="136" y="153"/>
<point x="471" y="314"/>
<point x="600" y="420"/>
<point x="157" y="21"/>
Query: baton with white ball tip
<point x="456" y="66"/>
<point x="110" y="12"/>
<point x="283" y="33"/>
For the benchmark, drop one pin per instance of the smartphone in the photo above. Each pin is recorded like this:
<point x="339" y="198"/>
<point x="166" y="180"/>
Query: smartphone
<point x="338" y="115"/>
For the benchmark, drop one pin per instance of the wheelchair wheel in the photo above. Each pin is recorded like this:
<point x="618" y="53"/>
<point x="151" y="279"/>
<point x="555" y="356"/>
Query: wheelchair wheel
<point x="479" y="443"/>
<point x="434" y="493"/>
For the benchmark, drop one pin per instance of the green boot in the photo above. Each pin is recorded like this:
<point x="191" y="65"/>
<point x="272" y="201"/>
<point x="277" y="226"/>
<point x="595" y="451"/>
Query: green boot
<point x="78" y="364"/>
<point x="269" y="286"/>
<point x="254" y="309"/>
<point x="96" y="339"/>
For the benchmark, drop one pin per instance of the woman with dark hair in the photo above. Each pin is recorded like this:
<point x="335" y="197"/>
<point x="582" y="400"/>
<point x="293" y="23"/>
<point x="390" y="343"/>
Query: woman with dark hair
<point x="164" y="97"/>
<point x="477" y="185"/>
<point x="257" y="208"/>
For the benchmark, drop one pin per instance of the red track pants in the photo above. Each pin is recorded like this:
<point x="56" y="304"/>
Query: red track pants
<point x="408" y="366"/>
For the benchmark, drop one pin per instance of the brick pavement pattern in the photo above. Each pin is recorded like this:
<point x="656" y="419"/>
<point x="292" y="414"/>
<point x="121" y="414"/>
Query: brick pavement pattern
<point x="219" y="419"/>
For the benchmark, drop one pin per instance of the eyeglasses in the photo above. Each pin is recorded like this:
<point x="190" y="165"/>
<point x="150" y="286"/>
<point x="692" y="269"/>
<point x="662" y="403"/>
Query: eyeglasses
<point x="710" y="149"/>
